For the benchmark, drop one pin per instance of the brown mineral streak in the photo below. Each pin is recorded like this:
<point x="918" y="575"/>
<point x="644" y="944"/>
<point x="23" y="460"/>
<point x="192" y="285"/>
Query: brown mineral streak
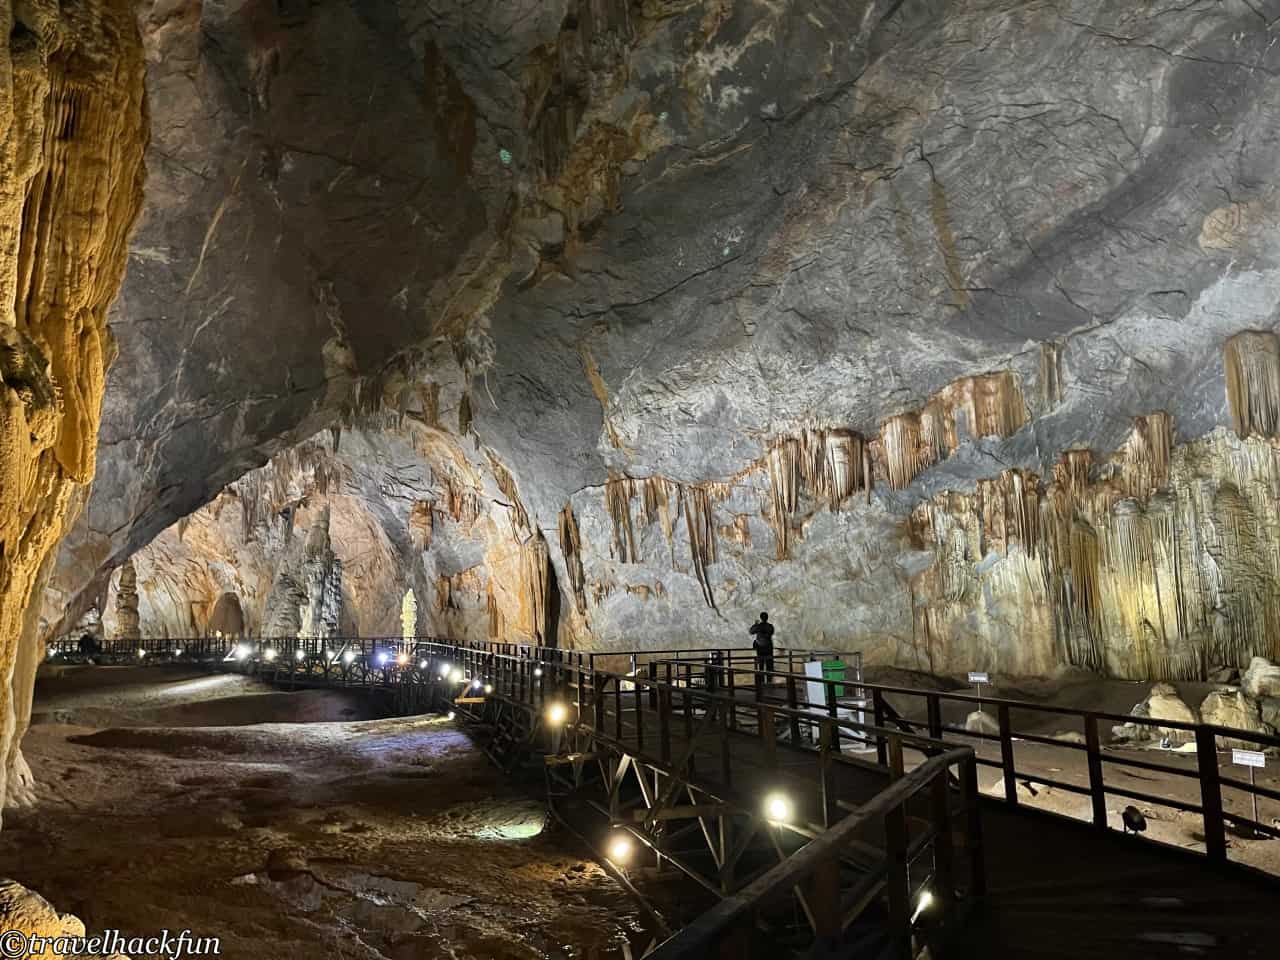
<point x="71" y="175"/>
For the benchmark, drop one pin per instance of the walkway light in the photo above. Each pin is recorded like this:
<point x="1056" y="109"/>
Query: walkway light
<point x="269" y="653"/>
<point x="475" y="684"/>
<point x="382" y="659"/>
<point x="422" y="665"/>
<point x="620" y="848"/>
<point x="450" y="715"/>
<point x="348" y="656"/>
<point x="557" y="714"/>
<point x="177" y="652"/>
<point x="402" y="659"/>
<point x="141" y="653"/>
<point x="778" y="808"/>
<point x="923" y="904"/>
<point x="488" y="688"/>
<point x="299" y="654"/>
<point x="330" y="655"/>
<point x="537" y="671"/>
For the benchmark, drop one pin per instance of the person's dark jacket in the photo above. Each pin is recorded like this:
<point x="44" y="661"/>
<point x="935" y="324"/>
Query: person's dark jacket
<point x="763" y="633"/>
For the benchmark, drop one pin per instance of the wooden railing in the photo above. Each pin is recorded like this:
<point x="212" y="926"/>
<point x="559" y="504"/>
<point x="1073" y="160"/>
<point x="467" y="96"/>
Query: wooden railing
<point x="731" y="671"/>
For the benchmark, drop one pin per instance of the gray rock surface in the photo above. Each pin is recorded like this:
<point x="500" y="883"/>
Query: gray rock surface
<point x="662" y="241"/>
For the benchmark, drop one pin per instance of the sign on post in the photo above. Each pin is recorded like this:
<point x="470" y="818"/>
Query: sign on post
<point x="976" y="678"/>
<point x="1249" y="758"/>
<point x="1254" y="760"/>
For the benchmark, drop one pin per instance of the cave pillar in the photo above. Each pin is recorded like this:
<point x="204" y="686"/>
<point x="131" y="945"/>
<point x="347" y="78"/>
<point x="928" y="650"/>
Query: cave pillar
<point x="71" y="107"/>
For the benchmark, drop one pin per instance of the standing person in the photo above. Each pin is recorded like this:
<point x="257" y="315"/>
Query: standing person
<point x="762" y="630"/>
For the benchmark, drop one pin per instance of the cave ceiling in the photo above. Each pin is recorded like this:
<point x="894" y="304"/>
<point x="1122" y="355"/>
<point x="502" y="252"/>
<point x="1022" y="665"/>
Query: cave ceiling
<point x="737" y="305"/>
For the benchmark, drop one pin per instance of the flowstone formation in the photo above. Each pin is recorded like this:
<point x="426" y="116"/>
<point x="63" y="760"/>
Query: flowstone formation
<point x="71" y="109"/>
<point x="944" y="332"/>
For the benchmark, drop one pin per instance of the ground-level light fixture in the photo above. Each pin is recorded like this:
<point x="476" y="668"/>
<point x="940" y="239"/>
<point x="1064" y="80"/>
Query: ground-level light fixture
<point x="402" y="659"/>
<point x="348" y="656"/>
<point x="382" y="659"/>
<point x="537" y="671"/>
<point x="620" y="848"/>
<point x="475" y="684"/>
<point x="141" y="653"/>
<point x="177" y="652"/>
<point x="557" y="714"/>
<point x="778" y="807"/>
<point x="923" y="904"/>
<point x="450" y="715"/>
<point x="488" y="688"/>
<point x="299" y="654"/>
<point x="269" y="653"/>
<point x="241" y="651"/>
<point x="422" y="665"/>
<point x="330" y="655"/>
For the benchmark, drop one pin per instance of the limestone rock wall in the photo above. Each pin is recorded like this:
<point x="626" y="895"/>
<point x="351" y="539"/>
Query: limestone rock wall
<point x="332" y="538"/>
<point x="917" y="324"/>
<point x="71" y="168"/>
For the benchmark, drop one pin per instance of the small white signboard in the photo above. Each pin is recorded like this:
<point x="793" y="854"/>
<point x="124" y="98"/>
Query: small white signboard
<point x="979" y="677"/>
<point x="1248" y="758"/>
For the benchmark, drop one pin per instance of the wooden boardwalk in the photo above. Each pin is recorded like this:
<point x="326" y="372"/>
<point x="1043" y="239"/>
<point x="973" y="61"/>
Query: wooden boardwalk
<point x="883" y="845"/>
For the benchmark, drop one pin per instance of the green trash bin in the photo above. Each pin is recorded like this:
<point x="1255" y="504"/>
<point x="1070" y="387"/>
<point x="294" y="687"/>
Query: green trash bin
<point x="834" y="670"/>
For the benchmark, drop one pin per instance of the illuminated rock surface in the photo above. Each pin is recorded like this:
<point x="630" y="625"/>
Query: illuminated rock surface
<point x="947" y="334"/>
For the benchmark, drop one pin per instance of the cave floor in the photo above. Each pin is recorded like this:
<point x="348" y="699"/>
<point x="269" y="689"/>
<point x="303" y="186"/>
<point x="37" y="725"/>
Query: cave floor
<point x="182" y="801"/>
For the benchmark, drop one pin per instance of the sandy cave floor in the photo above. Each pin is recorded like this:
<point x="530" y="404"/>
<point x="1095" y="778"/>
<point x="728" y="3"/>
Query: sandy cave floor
<point x="185" y="801"/>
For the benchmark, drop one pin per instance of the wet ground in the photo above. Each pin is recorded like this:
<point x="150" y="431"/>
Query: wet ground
<point x="294" y="825"/>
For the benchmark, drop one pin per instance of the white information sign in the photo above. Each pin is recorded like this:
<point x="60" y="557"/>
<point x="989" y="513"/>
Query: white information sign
<point x="1248" y="758"/>
<point x="979" y="678"/>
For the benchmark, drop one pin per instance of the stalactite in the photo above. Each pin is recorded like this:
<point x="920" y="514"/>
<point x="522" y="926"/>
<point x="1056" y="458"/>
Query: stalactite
<point x="422" y="523"/>
<point x="1051" y="374"/>
<point x="429" y="398"/>
<point x="507" y="484"/>
<point x="571" y="548"/>
<point x="702" y="536"/>
<point x="618" y="493"/>
<point x="536" y="576"/>
<point x="1252" y="361"/>
<point x="497" y="622"/>
<point x="1143" y="463"/>
<point x="658" y="493"/>
<point x="903" y="453"/>
<point x="464" y="414"/>
<point x="784" y="484"/>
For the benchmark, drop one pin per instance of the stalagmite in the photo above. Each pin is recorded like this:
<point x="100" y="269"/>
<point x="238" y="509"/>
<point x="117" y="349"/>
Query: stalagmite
<point x="127" y="622"/>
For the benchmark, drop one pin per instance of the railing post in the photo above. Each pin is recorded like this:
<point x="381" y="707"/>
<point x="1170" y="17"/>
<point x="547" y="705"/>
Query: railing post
<point x="896" y="766"/>
<point x="943" y="851"/>
<point x="935" y="716"/>
<point x="824" y="902"/>
<point x="1215" y="835"/>
<point x="730" y="673"/>
<point x="1006" y="754"/>
<point x="652" y="668"/>
<point x="598" y="705"/>
<point x="794" y="703"/>
<point x="664" y="723"/>
<point x="1093" y="744"/>
<point x="877" y="706"/>
<point x="895" y="828"/>
<point x="973" y="830"/>
<point x="726" y="757"/>
<point x="768" y="736"/>
<point x="826" y="746"/>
